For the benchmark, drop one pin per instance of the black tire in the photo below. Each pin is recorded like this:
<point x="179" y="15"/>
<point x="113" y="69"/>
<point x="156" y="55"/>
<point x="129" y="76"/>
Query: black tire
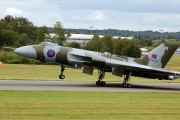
<point x="97" y="83"/>
<point x="103" y="83"/>
<point x="61" y="76"/>
<point x="125" y="85"/>
<point x="129" y="85"/>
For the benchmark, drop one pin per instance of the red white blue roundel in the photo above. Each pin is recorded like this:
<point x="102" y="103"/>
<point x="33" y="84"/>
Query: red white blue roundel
<point x="50" y="53"/>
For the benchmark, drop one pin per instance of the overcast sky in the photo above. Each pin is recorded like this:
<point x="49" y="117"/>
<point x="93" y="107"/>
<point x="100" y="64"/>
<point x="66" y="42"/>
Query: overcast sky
<point x="136" y="15"/>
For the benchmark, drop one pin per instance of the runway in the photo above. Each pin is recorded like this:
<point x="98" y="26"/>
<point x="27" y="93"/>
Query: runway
<point x="36" y="85"/>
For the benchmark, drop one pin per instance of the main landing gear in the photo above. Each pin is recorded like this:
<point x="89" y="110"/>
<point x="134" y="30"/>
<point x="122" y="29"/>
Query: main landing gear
<point x="101" y="76"/>
<point x="127" y="79"/>
<point x="62" y="76"/>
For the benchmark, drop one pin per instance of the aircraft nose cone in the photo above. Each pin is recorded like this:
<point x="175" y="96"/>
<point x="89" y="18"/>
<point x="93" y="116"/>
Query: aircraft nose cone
<point x="26" y="51"/>
<point x="20" y="51"/>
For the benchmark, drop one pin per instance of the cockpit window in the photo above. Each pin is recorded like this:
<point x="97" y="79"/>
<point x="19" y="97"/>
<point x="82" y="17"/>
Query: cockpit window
<point x="43" y="44"/>
<point x="48" y="44"/>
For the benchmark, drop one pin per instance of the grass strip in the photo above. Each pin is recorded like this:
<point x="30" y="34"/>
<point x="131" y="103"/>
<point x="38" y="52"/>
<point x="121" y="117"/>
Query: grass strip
<point x="51" y="72"/>
<point x="52" y="105"/>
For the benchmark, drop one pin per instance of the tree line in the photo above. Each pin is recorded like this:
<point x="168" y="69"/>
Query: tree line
<point x="126" y="33"/>
<point x="118" y="46"/>
<point x="19" y="31"/>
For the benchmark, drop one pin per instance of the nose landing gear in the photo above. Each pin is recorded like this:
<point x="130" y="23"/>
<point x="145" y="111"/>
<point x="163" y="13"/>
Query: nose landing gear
<point x="62" y="76"/>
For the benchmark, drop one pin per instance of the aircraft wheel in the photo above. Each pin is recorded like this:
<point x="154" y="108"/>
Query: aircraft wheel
<point x="125" y="85"/>
<point x="97" y="83"/>
<point x="61" y="76"/>
<point x="129" y="85"/>
<point x="100" y="83"/>
<point x="103" y="83"/>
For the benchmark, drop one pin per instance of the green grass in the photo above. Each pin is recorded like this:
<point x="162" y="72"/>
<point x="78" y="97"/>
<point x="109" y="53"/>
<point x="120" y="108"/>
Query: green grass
<point x="51" y="72"/>
<point x="52" y="105"/>
<point x="35" y="105"/>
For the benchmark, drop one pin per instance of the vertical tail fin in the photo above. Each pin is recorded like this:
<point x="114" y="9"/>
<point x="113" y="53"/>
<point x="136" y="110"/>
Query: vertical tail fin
<point x="159" y="56"/>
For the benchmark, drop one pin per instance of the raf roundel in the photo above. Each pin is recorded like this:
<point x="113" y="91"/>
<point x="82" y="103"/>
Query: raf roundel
<point x="50" y="53"/>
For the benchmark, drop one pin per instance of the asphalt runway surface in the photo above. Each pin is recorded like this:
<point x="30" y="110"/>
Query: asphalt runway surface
<point x="37" y="85"/>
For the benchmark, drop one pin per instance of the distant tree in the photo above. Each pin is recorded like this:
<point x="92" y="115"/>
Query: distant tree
<point x="17" y="28"/>
<point x="72" y="31"/>
<point x="23" y="39"/>
<point x="170" y="37"/>
<point x="58" y="30"/>
<point x="10" y="23"/>
<point x="27" y="27"/>
<point x="2" y="41"/>
<point x="147" y="41"/>
<point x="107" y="44"/>
<point x="132" y="50"/>
<point x="74" y="45"/>
<point x="118" y="46"/>
<point x="94" y="44"/>
<point x="8" y="37"/>
<point x="90" y="32"/>
<point x="155" y="43"/>
<point x="41" y="33"/>
<point x="68" y="34"/>
<point x="2" y="24"/>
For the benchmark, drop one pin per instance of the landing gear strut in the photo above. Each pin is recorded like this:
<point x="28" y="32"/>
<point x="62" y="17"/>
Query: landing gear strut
<point x="101" y="76"/>
<point x="61" y="76"/>
<point x="127" y="79"/>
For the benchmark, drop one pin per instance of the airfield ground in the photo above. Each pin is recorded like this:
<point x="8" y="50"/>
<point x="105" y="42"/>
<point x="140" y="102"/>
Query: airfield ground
<point x="51" y="72"/>
<point x="52" y="105"/>
<point x="39" y="85"/>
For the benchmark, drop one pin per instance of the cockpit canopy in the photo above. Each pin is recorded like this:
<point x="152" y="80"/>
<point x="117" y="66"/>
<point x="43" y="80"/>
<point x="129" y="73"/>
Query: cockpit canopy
<point x="47" y="44"/>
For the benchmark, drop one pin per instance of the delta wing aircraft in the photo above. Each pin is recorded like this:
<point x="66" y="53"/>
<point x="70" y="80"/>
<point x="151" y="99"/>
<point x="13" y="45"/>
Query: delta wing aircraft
<point x="148" y="66"/>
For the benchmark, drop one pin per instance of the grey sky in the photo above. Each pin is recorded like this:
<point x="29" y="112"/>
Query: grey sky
<point x="134" y="15"/>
